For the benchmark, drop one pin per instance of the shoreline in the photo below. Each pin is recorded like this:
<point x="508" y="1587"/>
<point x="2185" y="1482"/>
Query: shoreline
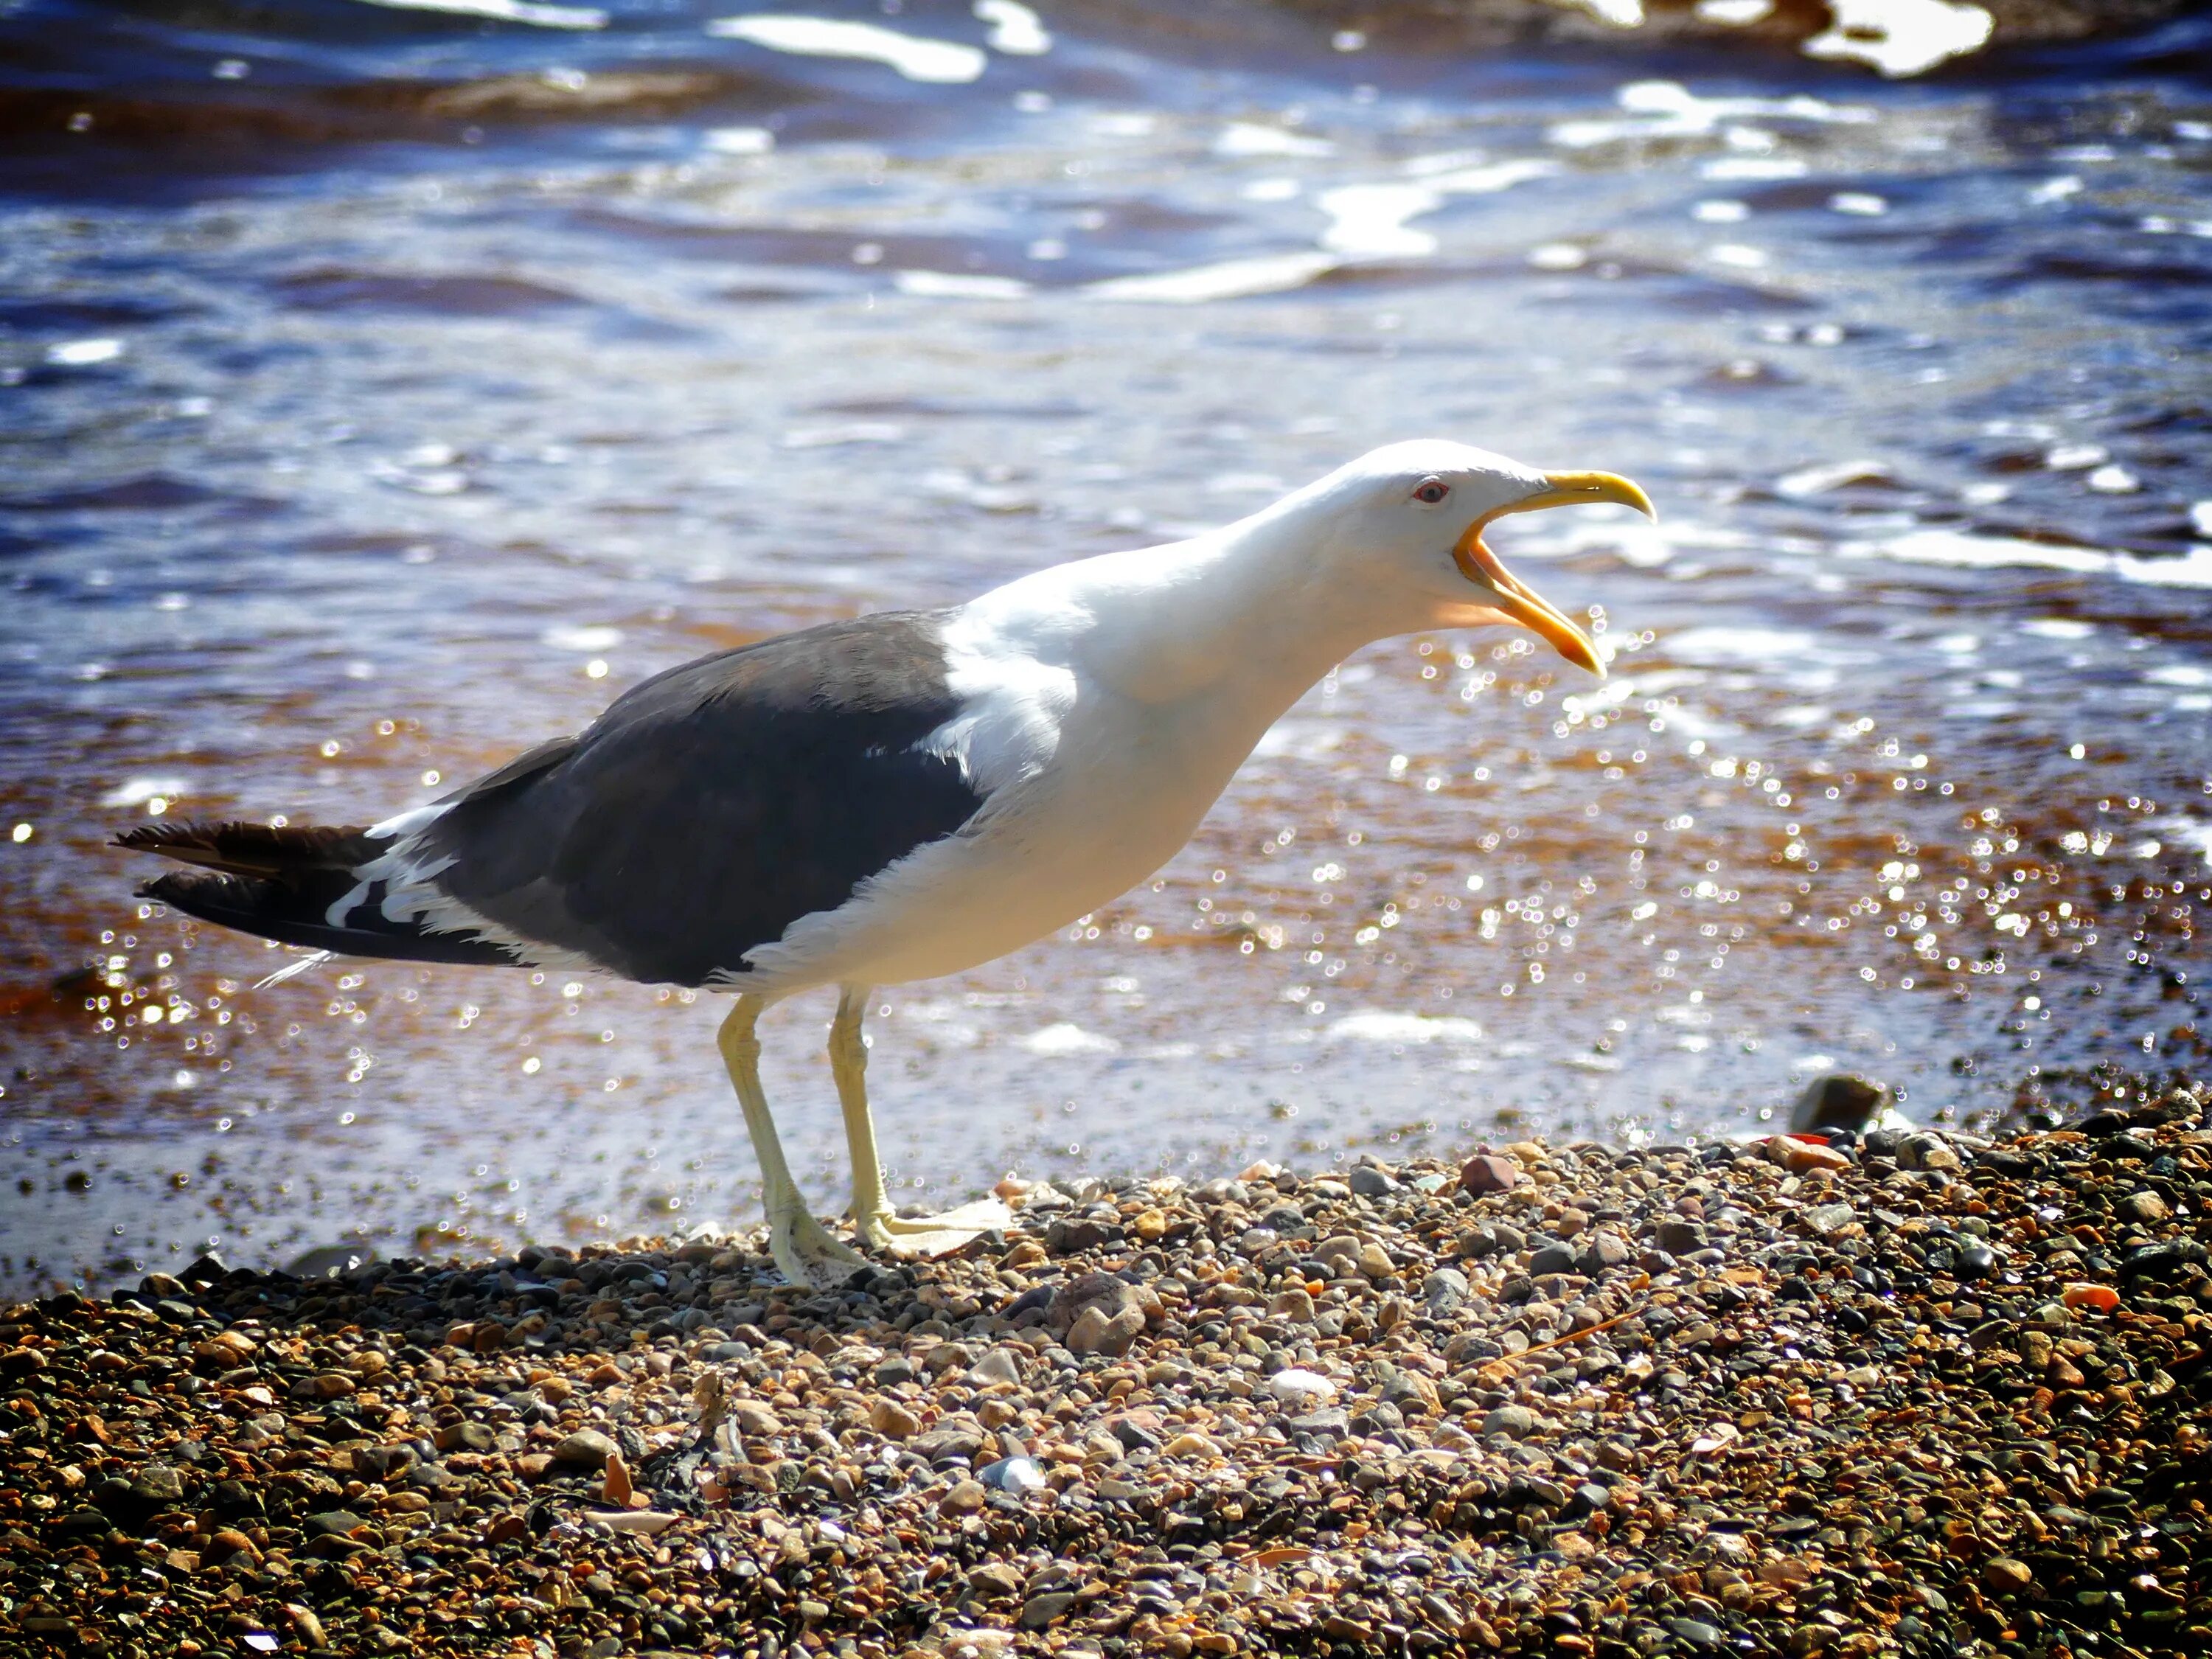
<point x="1927" y="1395"/>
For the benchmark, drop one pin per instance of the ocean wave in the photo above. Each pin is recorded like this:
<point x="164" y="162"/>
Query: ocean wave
<point x="346" y="71"/>
<point x="1894" y="38"/>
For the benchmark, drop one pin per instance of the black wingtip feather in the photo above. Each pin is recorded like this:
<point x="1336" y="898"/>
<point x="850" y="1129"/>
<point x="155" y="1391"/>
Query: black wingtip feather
<point x="295" y="914"/>
<point x="281" y="884"/>
<point x="252" y="849"/>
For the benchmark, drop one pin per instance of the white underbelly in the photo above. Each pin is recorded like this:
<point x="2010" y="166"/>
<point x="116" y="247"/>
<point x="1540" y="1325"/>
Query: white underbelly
<point x="1060" y="847"/>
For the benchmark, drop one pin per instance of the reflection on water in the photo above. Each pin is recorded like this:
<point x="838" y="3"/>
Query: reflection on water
<point x="381" y="398"/>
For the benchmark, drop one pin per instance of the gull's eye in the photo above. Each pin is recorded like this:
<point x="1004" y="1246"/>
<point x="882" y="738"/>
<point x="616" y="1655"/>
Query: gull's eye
<point x="1433" y="490"/>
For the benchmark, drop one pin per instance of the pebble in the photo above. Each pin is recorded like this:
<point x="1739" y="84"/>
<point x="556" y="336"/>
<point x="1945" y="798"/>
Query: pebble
<point x="1011" y="1474"/>
<point x="1841" y="1100"/>
<point x="1300" y="1388"/>
<point x="965" y="1497"/>
<point x="1807" y="1156"/>
<point x="1368" y="1182"/>
<point x="1936" y="1397"/>
<point x="1516" y="1422"/>
<point x="893" y="1420"/>
<point x="2007" y="1576"/>
<point x="1486" y="1172"/>
<point x="587" y="1449"/>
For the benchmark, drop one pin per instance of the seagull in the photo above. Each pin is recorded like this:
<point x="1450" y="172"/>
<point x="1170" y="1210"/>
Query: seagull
<point x="904" y="795"/>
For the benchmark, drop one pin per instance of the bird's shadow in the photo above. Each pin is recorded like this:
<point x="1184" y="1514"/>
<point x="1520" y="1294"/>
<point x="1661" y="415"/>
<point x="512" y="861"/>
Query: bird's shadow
<point x="489" y="1335"/>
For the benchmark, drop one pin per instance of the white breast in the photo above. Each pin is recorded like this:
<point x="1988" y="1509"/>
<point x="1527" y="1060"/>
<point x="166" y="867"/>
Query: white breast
<point x="1087" y="792"/>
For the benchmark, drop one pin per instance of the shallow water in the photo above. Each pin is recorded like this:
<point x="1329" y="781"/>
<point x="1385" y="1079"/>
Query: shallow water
<point x="379" y="398"/>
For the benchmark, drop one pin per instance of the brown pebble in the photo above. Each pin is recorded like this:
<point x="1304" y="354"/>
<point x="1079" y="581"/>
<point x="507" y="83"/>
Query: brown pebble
<point x="893" y="1421"/>
<point x="965" y="1497"/>
<point x="751" y="1418"/>
<point x="1486" y="1172"/>
<point x="587" y="1449"/>
<point x="616" y="1488"/>
<point x="2005" y="1575"/>
<point x="229" y="1541"/>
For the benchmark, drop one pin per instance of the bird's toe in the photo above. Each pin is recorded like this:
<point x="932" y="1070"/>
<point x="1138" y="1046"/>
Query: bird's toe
<point x="811" y="1257"/>
<point x="925" y="1236"/>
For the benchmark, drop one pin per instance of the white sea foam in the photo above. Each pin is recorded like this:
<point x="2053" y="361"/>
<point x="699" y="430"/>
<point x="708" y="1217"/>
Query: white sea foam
<point x="945" y="62"/>
<point x="958" y="285"/>
<point x="1242" y="138"/>
<point x="1667" y="109"/>
<point x="585" y="638"/>
<point x="1067" y="1039"/>
<point x="1958" y="547"/>
<point x="1371" y="219"/>
<point x="136" y="792"/>
<point x="1015" y="29"/>
<point x="83" y="354"/>
<point x="1819" y="479"/>
<point x="533" y="12"/>
<point x="740" y="141"/>
<point x="1380" y="1026"/>
<point x="1901" y="36"/>
<point x="1722" y="644"/>
<point x="1231" y="279"/>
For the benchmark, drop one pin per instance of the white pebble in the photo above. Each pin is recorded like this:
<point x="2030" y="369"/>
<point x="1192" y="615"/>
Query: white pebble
<point x="1301" y="1387"/>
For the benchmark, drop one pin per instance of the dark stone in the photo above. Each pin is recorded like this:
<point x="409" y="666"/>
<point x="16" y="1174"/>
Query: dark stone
<point x="1587" y="1499"/>
<point x="1135" y="1435"/>
<point x="234" y="1499"/>
<point x="1070" y="1236"/>
<point x="1842" y="1100"/>
<point x="1679" y="1236"/>
<point x="1368" y="1182"/>
<point x="382" y="1462"/>
<point x="158" y="1487"/>
<point x="2169" y="1258"/>
<point x="1037" y="1295"/>
<point x="1041" y="1610"/>
<point x="1443" y="1289"/>
<point x="465" y="1436"/>
<point x="1553" y="1258"/>
<point x="947" y="1443"/>
<point x="1604" y="1250"/>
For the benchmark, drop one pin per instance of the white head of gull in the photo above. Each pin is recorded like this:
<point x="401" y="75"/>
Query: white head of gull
<point x="901" y="796"/>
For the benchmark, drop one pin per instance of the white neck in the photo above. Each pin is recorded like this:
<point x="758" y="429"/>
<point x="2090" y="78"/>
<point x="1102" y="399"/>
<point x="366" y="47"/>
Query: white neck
<point x="1255" y="613"/>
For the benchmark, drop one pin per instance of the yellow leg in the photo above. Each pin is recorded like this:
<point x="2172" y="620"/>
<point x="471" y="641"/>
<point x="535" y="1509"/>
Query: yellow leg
<point x="872" y="1217"/>
<point x="803" y="1247"/>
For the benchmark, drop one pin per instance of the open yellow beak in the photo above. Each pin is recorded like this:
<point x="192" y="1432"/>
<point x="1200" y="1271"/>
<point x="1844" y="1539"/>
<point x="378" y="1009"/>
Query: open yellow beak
<point x="1514" y="598"/>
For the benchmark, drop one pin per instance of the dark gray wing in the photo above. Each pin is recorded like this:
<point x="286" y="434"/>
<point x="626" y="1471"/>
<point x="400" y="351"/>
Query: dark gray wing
<point x="716" y="803"/>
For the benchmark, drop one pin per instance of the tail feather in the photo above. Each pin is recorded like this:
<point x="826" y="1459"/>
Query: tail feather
<point x="282" y="884"/>
<point x="253" y="849"/>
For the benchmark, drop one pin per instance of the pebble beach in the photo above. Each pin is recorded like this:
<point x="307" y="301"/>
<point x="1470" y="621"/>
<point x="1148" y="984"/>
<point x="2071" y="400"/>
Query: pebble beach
<point x="1907" y="1392"/>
